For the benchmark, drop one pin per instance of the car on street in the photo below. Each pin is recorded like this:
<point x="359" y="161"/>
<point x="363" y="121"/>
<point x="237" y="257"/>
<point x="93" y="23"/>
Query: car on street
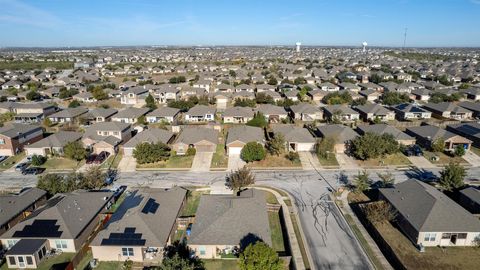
<point x="33" y="170"/>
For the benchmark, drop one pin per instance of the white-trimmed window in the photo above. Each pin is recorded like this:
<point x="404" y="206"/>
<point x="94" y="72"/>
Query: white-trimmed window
<point x="2" y="141"/>
<point x="203" y="250"/>
<point x="127" y="252"/>
<point x="429" y="237"/>
<point x="61" y="244"/>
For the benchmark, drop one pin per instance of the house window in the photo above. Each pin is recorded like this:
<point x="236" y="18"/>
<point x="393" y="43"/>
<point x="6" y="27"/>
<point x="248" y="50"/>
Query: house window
<point x="202" y="250"/>
<point x="462" y="236"/>
<point x="116" y="133"/>
<point x="61" y="244"/>
<point x="29" y="260"/>
<point x="12" y="260"/>
<point x="430" y="237"/>
<point x="446" y="235"/>
<point x="105" y="133"/>
<point x="127" y="252"/>
<point x="2" y="141"/>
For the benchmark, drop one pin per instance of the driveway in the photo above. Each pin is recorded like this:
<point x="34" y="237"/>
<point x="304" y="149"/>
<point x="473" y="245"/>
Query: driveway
<point x="421" y="162"/>
<point x="345" y="162"/>
<point x="309" y="161"/>
<point x="235" y="162"/>
<point x="202" y="161"/>
<point x="472" y="158"/>
<point x="127" y="164"/>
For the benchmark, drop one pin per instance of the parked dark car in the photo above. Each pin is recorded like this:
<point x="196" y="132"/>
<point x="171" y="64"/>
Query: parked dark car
<point x="413" y="150"/>
<point x="2" y="158"/>
<point x="33" y="170"/>
<point x="91" y="158"/>
<point x="101" y="157"/>
<point x="22" y="166"/>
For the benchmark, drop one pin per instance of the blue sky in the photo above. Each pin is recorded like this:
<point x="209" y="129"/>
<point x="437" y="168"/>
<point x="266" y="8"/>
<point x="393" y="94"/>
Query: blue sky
<point x="239" y="22"/>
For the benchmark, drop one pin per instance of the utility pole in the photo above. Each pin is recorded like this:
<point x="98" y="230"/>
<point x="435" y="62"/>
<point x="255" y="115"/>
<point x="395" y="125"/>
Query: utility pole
<point x="404" y="38"/>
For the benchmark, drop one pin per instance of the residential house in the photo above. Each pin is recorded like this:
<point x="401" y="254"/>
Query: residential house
<point x="225" y="88"/>
<point x="317" y="95"/>
<point x="329" y="87"/>
<point x="202" y="139"/>
<point x="306" y="112"/>
<point x="238" y="115"/>
<point x="14" y="137"/>
<point x="204" y="84"/>
<point x="474" y="107"/>
<point x="469" y="198"/>
<point x="342" y="135"/>
<point x="100" y="115"/>
<point x="151" y="135"/>
<point x="274" y="95"/>
<point x="167" y="93"/>
<point x="472" y="93"/>
<point x="163" y="114"/>
<point x="32" y="112"/>
<point x="370" y="95"/>
<point x="265" y="88"/>
<point x="106" y="136"/>
<point x="408" y="111"/>
<point x="448" y="110"/>
<point x="64" y="223"/>
<point x="430" y="218"/>
<point x="86" y="97"/>
<point x="134" y="96"/>
<point x="469" y="130"/>
<point x="212" y="233"/>
<point x="142" y="226"/>
<point x="427" y="135"/>
<point x="341" y="113"/>
<point x="130" y="115"/>
<point x="273" y="114"/>
<point x="375" y="112"/>
<point x="53" y="144"/>
<point x="297" y="139"/>
<point x="200" y="113"/>
<point x="16" y="207"/>
<point x="244" y="87"/>
<point x="380" y="129"/>
<point x="421" y="94"/>
<point x="239" y="136"/>
<point x="68" y="115"/>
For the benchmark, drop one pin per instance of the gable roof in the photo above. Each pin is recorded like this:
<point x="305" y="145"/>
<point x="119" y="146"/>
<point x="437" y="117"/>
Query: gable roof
<point x="13" y="130"/>
<point x="131" y="113"/>
<point x="59" y="139"/>
<point x="151" y="135"/>
<point x="192" y="135"/>
<point x="343" y="109"/>
<point x="227" y="219"/>
<point x="12" y="205"/>
<point x="293" y="133"/>
<point x="69" y="112"/>
<point x="373" y="108"/>
<point x="340" y="133"/>
<point x="268" y="109"/>
<point x="201" y="110"/>
<point x="445" y="107"/>
<point x="306" y="108"/>
<point x="239" y="112"/>
<point x="431" y="132"/>
<point x="164" y="112"/>
<point x="101" y="112"/>
<point x="429" y="210"/>
<point x="245" y="134"/>
<point x="150" y="212"/>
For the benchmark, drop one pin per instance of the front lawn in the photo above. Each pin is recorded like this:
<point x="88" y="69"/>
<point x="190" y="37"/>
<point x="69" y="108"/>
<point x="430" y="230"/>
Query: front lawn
<point x="397" y="159"/>
<point x="219" y="159"/>
<point x="331" y="160"/>
<point x="172" y="162"/>
<point x="58" y="262"/>
<point x="444" y="159"/>
<point x="112" y="161"/>
<point x="9" y="162"/>
<point x="274" y="161"/>
<point x="59" y="163"/>
<point x="276" y="232"/>
<point x="221" y="264"/>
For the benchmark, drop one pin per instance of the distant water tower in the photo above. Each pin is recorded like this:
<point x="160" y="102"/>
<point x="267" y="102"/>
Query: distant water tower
<point x="298" y="44"/>
<point x="364" y="44"/>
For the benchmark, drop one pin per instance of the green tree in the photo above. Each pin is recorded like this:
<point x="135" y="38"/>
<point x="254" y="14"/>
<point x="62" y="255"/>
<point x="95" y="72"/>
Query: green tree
<point x="33" y="95"/>
<point x="150" y="102"/>
<point x="47" y="122"/>
<point x="276" y="145"/>
<point x="232" y="73"/>
<point x="258" y="120"/>
<point x="177" y="256"/>
<point x="99" y="94"/>
<point x="54" y="183"/>
<point x="239" y="179"/>
<point x="299" y="80"/>
<point x="263" y="98"/>
<point x="372" y="145"/>
<point x="459" y="150"/>
<point x="260" y="256"/>
<point x="74" y="104"/>
<point x="325" y="146"/>
<point x="394" y="98"/>
<point x="362" y="181"/>
<point x="241" y="102"/>
<point x="272" y="81"/>
<point x="336" y="98"/>
<point x="387" y="179"/>
<point x="452" y="176"/>
<point x="253" y="151"/>
<point x="176" y="263"/>
<point x="438" y="145"/>
<point x="75" y="150"/>
<point x="38" y="160"/>
<point x="151" y="152"/>
<point x="93" y="178"/>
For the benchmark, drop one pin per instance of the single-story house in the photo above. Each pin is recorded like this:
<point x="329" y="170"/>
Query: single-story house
<point x="86" y="97"/>
<point x="380" y="129"/>
<point x="421" y="94"/>
<point x="469" y="198"/>
<point x="409" y="111"/>
<point x="142" y="226"/>
<point x="200" y="113"/>
<point x="212" y="234"/>
<point x="238" y="115"/>
<point x="130" y="115"/>
<point x="340" y="112"/>
<point x="297" y="139"/>
<point x="342" y="135"/>
<point x="448" y="110"/>
<point x="53" y="144"/>
<point x="100" y="114"/>
<point x="427" y="135"/>
<point x="151" y="135"/>
<point x="68" y="115"/>
<point x="430" y="218"/>
<point x="163" y="114"/>
<point x="239" y="136"/>
<point x="372" y="112"/>
<point x="273" y="114"/>
<point x="474" y="107"/>
<point x="469" y="130"/>
<point x="370" y="95"/>
<point x="306" y="112"/>
<point x="202" y="139"/>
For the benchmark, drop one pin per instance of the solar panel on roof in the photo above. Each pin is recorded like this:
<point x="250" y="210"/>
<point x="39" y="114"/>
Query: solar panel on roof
<point x="127" y="238"/>
<point x="150" y="207"/>
<point x="40" y="228"/>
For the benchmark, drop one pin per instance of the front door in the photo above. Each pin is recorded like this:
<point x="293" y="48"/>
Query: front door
<point x="453" y="239"/>
<point x="21" y="262"/>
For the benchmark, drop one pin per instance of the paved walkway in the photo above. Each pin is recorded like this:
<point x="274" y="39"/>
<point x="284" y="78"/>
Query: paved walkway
<point x="373" y="245"/>
<point x="235" y="162"/>
<point x="201" y="162"/>
<point x="309" y="161"/>
<point x="127" y="164"/>
<point x="472" y="158"/>
<point x="346" y="163"/>
<point x="421" y="162"/>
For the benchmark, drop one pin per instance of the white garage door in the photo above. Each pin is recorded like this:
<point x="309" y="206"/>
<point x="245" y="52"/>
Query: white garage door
<point x="6" y="152"/>
<point x="34" y="151"/>
<point x="234" y="150"/>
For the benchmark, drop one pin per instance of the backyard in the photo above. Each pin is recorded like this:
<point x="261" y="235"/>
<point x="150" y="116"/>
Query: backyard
<point x="193" y="199"/>
<point x="221" y="264"/>
<point x="58" y="262"/>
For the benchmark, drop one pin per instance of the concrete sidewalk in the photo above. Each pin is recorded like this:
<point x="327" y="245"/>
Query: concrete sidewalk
<point x="472" y="158"/>
<point x="309" y="161"/>
<point x="346" y="163"/>
<point x="127" y="164"/>
<point x="421" y="162"/>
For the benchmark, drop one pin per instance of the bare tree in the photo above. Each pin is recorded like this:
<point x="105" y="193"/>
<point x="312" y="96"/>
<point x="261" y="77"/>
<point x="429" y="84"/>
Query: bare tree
<point x="380" y="211"/>
<point x="240" y="179"/>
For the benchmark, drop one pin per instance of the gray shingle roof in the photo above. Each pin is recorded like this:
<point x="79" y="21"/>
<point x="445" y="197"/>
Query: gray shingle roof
<point x="59" y="139"/>
<point x="472" y="193"/>
<point x="164" y="112"/>
<point x="152" y="135"/>
<point x="245" y="134"/>
<point x="131" y="113"/>
<point x="12" y="205"/>
<point x="429" y="210"/>
<point x="385" y="129"/>
<point x="192" y="135"/>
<point x="101" y="112"/>
<point x="198" y="110"/>
<point x="306" y="108"/>
<point x="226" y="219"/>
<point x="293" y="133"/>
<point x="338" y="132"/>
<point x="343" y="109"/>
<point x="445" y="107"/>
<point x="269" y="109"/>
<point x="432" y="132"/>
<point x="69" y="113"/>
<point x="13" y="130"/>
<point x="373" y="108"/>
<point x="239" y="112"/>
<point x="136" y="212"/>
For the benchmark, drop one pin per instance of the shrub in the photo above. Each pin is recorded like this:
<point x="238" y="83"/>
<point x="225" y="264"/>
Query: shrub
<point x="38" y="160"/>
<point x="380" y="211"/>
<point x="191" y="151"/>
<point x="253" y="151"/>
<point x="292" y="156"/>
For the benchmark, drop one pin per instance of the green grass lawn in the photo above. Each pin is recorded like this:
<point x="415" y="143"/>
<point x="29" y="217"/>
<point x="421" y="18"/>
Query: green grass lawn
<point x="193" y="200"/>
<point x="221" y="264"/>
<point x="276" y="232"/>
<point x="475" y="150"/>
<point x="112" y="160"/>
<point x="219" y="159"/>
<point x="172" y="162"/>
<point x="330" y="161"/>
<point x="274" y="161"/>
<point x="397" y="159"/>
<point x="59" y="163"/>
<point x="301" y="245"/>
<point x="444" y="159"/>
<point x="271" y="198"/>
<point x="54" y="263"/>
<point x="9" y="162"/>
